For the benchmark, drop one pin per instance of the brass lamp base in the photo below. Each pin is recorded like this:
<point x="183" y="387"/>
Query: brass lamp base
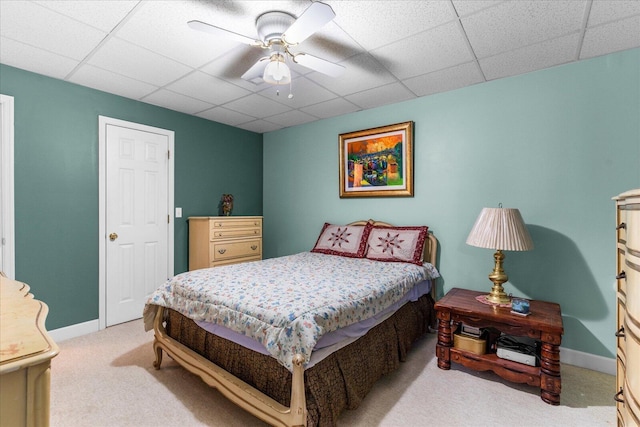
<point x="498" y="277"/>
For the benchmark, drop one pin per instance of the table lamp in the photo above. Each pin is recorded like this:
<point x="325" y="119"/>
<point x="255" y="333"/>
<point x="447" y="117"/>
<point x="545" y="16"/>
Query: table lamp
<point x="501" y="229"/>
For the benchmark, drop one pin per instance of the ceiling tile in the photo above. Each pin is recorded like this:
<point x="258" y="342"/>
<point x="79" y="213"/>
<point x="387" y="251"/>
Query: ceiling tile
<point x="618" y="35"/>
<point x="466" y="7"/>
<point x="177" y="102"/>
<point x="514" y="24"/>
<point x="260" y="126"/>
<point x="132" y="61"/>
<point x="36" y="60"/>
<point x="389" y="94"/>
<point x="603" y="11"/>
<point x="531" y="58"/>
<point x="37" y="26"/>
<point x="332" y="108"/>
<point x="432" y="50"/>
<point x="162" y="28"/>
<point x="104" y="15"/>
<point x="107" y="81"/>
<point x="224" y="115"/>
<point x="362" y="72"/>
<point x="292" y="118"/>
<point x="376" y="24"/>
<point x="304" y="91"/>
<point x="444" y="80"/>
<point x="207" y="88"/>
<point x="257" y="106"/>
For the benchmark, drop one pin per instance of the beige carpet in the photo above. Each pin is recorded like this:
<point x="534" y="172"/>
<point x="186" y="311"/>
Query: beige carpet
<point x="107" y="379"/>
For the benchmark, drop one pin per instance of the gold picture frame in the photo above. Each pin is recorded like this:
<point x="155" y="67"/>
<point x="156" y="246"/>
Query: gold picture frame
<point x="377" y="162"/>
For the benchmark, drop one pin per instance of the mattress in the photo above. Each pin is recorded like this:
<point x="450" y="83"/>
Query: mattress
<point x="331" y="341"/>
<point x="289" y="304"/>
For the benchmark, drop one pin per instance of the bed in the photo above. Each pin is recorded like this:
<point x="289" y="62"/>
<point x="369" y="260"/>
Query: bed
<point x="311" y="353"/>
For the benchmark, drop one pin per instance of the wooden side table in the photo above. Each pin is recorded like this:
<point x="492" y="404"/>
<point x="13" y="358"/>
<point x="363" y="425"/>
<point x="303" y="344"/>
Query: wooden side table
<point x="544" y="324"/>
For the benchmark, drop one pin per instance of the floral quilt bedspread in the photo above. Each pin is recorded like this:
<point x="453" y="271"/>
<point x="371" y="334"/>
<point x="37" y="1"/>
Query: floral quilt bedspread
<point x="288" y="303"/>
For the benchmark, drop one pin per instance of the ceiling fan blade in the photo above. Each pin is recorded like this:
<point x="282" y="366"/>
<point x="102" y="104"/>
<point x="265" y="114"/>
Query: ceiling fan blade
<point x="318" y="64"/>
<point x="221" y="32"/>
<point x="256" y="69"/>
<point x="311" y="20"/>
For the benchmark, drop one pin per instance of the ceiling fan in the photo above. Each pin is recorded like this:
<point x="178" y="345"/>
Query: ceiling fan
<point x="277" y="31"/>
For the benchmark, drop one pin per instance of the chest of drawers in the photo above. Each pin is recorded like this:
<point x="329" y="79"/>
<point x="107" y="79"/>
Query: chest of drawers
<point x="628" y="312"/>
<point x="224" y="240"/>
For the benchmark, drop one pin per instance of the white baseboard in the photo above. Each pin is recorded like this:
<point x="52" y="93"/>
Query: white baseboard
<point x="76" y="330"/>
<point x="589" y="361"/>
<point x="572" y="357"/>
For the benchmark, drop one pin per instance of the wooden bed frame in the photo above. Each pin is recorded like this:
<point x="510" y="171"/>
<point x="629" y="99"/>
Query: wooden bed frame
<point x="238" y="391"/>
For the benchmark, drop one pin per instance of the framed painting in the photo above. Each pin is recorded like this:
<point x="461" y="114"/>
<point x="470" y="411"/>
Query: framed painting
<point x="377" y="162"/>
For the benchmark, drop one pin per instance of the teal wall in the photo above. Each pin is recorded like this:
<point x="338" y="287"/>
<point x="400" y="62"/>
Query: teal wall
<point x="56" y="183"/>
<point x="556" y="144"/>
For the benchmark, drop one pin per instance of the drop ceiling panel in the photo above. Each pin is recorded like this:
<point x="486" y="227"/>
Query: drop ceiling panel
<point x="132" y="61"/>
<point x="389" y="94"/>
<point x="207" y="88"/>
<point x="514" y="24"/>
<point x="362" y="72"/>
<point x="618" y="35"/>
<point x="177" y="102"/>
<point x="39" y="61"/>
<point x="432" y="50"/>
<point x="376" y="24"/>
<point x="226" y="116"/>
<point x="530" y="58"/>
<point x="162" y="27"/>
<point x="392" y="50"/>
<point x="108" y="81"/>
<point x="257" y="106"/>
<point x="331" y="108"/>
<point x="47" y="30"/>
<point x="104" y="15"/>
<point x="444" y="80"/>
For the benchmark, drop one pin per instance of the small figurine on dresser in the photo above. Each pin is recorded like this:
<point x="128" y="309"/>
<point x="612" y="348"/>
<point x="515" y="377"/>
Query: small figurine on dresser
<point x="227" y="204"/>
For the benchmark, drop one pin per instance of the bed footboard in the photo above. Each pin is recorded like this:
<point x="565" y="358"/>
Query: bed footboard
<point x="236" y="390"/>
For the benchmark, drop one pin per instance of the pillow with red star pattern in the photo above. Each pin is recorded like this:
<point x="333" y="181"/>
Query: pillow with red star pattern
<point x="397" y="244"/>
<point x="344" y="240"/>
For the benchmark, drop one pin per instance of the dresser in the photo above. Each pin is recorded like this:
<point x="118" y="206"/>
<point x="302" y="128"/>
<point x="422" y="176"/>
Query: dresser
<point x="224" y="240"/>
<point x="26" y="351"/>
<point x="628" y="307"/>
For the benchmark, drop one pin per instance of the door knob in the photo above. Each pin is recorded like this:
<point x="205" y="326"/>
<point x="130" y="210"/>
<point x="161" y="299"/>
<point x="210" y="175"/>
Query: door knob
<point x="113" y="236"/>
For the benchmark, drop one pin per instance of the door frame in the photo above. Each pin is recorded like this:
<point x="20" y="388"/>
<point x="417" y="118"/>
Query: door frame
<point x="103" y="122"/>
<point x="8" y="190"/>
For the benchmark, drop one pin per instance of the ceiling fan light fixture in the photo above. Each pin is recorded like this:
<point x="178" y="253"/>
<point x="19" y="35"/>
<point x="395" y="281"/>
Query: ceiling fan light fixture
<point x="277" y="72"/>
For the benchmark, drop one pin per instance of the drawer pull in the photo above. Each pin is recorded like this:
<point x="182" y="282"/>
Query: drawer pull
<point x="622" y="275"/>
<point x="256" y="224"/>
<point x="255" y="231"/>
<point x="622" y="226"/>
<point x="221" y="251"/>
<point x="620" y="332"/>
<point x="254" y="247"/>
<point x="619" y="396"/>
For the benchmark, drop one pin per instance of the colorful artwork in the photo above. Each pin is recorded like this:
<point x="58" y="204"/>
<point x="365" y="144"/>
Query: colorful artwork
<point x="377" y="162"/>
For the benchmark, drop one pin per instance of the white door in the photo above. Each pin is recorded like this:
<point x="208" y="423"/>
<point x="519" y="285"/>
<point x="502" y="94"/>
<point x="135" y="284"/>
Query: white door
<point x="138" y="222"/>
<point x="7" y="244"/>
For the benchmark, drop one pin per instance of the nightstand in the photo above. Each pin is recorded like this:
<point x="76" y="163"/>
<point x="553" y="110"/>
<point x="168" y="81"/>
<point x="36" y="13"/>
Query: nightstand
<point x="544" y="325"/>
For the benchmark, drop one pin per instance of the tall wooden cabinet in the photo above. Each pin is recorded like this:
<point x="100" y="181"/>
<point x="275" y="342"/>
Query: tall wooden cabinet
<point x="26" y="351"/>
<point x="628" y="311"/>
<point x="224" y="240"/>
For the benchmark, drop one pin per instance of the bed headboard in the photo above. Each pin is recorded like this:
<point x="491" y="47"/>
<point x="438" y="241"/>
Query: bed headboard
<point x="430" y="244"/>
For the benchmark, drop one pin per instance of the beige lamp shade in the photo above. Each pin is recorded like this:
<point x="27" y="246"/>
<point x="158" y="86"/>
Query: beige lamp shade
<point x="500" y="229"/>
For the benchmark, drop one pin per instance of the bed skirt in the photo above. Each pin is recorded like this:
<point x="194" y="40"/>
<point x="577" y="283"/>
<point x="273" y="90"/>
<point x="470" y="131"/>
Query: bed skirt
<point x="338" y="382"/>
